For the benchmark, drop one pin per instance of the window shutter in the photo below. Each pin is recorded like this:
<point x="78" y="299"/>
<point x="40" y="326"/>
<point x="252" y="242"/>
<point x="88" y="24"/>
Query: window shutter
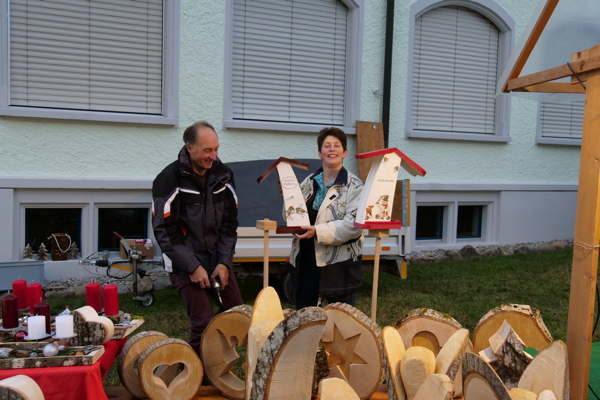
<point x="289" y="61"/>
<point x="87" y="55"/>
<point x="562" y="120"/>
<point x="455" y="71"/>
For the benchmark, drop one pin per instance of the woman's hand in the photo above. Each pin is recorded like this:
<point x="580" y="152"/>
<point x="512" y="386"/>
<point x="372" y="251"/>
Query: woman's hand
<point x="311" y="231"/>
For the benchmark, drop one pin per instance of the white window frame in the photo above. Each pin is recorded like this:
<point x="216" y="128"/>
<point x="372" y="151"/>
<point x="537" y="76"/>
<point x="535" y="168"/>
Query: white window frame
<point x="540" y="139"/>
<point x="506" y="24"/>
<point x="451" y="200"/>
<point x="353" y="75"/>
<point x="170" y="80"/>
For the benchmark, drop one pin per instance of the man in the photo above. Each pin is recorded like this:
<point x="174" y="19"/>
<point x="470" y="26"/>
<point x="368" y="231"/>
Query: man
<point x="194" y="217"/>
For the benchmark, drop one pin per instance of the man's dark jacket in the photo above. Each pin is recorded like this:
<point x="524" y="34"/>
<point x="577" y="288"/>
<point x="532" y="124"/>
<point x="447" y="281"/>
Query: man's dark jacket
<point x="194" y="224"/>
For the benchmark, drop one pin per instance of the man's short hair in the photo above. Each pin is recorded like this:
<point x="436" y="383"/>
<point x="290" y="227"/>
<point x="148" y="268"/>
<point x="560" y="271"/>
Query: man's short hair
<point x="189" y="135"/>
<point x="333" y="131"/>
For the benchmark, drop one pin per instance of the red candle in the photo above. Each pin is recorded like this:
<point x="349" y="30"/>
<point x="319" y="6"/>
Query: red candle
<point x="111" y="300"/>
<point x="10" y="311"/>
<point x="44" y="310"/>
<point x="20" y="290"/>
<point x="34" y="295"/>
<point x="92" y="296"/>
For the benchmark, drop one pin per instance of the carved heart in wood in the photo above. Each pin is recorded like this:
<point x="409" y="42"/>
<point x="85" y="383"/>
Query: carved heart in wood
<point x="170" y="352"/>
<point x="91" y="328"/>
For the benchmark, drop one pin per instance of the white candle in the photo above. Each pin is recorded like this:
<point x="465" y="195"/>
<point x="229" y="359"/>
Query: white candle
<point x="36" y="327"/>
<point x="64" y="326"/>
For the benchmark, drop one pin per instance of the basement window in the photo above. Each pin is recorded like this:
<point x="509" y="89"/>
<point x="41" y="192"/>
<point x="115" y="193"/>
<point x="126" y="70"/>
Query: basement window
<point x="131" y="223"/>
<point x="41" y="223"/>
<point x="468" y="224"/>
<point x="430" y="222"/>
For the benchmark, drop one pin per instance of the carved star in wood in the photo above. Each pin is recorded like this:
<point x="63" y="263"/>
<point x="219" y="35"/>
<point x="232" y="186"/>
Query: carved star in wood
<point x="341" y="353"/>
<point x="230" y="356"/>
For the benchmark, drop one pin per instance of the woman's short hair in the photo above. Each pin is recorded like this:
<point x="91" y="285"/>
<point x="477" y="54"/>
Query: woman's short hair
<point x="332" y="131"/>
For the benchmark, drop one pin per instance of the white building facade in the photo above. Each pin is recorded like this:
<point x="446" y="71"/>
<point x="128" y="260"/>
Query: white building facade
<point x="94" y="98"/>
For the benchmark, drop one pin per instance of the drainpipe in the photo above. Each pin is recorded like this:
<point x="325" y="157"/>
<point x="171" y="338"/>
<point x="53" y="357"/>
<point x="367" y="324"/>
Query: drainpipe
<point x="387" y="71"/>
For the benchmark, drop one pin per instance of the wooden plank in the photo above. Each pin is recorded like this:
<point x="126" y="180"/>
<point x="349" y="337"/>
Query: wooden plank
<point x="57" y="361"/>
<point x="531" y="41"/>
<point x="587" y="237"/>
<point x="589" y="64"/>
<point x="554" y="87"/>
<point x="577" y="57"/>
<point x="369" y="137"/>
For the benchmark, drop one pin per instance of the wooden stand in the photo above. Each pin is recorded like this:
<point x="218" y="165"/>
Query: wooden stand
<point x="377" y="234"/>
<point x="266" y="225"/>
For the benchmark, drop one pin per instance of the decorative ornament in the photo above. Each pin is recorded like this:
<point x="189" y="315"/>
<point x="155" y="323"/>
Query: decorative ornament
<point x="42" y="253"/>
<point x="20" y="336"/>
<point x="50" y="350"/>
<point x="28" y="253"/>
<point x="74" y="252"/>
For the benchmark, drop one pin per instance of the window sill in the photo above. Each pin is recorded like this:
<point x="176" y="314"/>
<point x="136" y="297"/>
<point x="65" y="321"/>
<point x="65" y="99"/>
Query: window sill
<point x="473" y="137"/>
<point x="109" y="117"/>
<point x="281" y="126"/>
<point x="558" y="141"/>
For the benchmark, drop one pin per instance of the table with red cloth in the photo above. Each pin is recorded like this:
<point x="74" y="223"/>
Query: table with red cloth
<point x="73" y="383"/>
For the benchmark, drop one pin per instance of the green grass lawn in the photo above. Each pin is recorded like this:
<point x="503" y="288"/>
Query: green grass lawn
<point x="465" y="290"/>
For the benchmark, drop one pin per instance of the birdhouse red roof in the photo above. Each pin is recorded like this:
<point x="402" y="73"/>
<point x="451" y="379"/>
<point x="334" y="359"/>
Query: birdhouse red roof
<point x="409" y="165"/>
<point x="293" y="163"/>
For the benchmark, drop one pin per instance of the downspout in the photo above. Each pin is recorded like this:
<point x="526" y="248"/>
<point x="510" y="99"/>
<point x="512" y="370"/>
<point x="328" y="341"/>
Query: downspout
<point x="387" y="71"/>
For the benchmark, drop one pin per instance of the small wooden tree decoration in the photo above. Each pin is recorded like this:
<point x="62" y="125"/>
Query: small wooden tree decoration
<point x="28" y="253"/>
<point x="74" y="252"/>
<point x="296" y="214"/>
<point x="42" y="253"/>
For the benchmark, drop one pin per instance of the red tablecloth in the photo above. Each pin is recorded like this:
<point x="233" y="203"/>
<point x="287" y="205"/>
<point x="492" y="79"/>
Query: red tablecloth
<point x="72" y="383"/>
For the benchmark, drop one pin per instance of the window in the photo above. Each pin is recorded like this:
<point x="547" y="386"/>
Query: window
<point x="293" y="65"/>
<point x="103" y="60"/>
<point x="430" y="223"/>
<point x="468" y="224"/>
<point x="41" y="223"/>
<point x="458" y="49"/>
<point x="560" y="123"/>
<point x="131" y="223"/>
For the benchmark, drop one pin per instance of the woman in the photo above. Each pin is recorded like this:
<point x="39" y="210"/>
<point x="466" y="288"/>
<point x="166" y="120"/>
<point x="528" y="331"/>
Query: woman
<point x="325" y="260"/>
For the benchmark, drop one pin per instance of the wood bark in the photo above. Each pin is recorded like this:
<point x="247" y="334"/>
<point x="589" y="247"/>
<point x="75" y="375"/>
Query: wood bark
<point x="526" y="322"/>
<point x="548" y="370"/>
<point x="353" y="344"/>
<point x="393" y="350"/>
<point x="427" y="328"/>
<point x="90" y="328"/>
<point x="69" y="360"/>
<point x="20" y="387"/>
<point x="336" y="389"/>
<point x="224" y="333"/>
<point x="436" y="387"/>
<point x="170" y="351"/>
<point x="257" y="336"/>
<point x="449" y="359"/>
<point x="127" y="361"/>
<point x="507" y="356"/>
<point x="416" y="365"/>
<point x="285" y="364"/>
<point x="480" y="381"/>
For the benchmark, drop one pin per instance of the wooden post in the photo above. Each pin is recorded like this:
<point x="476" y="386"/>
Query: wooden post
<point x="377" y="234"/>
<point x="266" y="225"/>
<point x="587" y="237"/>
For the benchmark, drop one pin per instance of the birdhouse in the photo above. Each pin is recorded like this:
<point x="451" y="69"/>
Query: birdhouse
<point x="375" y="208"/>
<point x="296" y="214"/>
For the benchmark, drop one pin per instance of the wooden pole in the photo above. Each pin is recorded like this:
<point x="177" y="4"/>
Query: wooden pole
<point x="587" y="238"/>
<point x="266" y="225"/>
<point x="377" y="234"/>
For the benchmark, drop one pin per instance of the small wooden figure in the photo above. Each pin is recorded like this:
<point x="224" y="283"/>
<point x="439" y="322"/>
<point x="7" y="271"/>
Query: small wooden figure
<point x="28" y="253"/>
<point x="74" y="253"/>
<point x="296" y="214"/>
<point x="42" y="253"/>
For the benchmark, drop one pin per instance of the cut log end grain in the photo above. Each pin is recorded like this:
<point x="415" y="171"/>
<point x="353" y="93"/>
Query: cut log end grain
<point x="267" y="306"/>
<point x="336" y="389"/>
<point x="20" y="387"/>
<point x="428" y="328"/>
<point x="436" y="387"/>
<point x="480" y="381"/>
<point x="521" y="394"/>
<point x="548" y="370"/>
<point x="416" y="365"/>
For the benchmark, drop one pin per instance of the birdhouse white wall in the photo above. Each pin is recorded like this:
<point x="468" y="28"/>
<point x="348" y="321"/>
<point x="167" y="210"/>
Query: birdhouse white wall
<point x="378" y="193"/>
<point x="295" y="206"/>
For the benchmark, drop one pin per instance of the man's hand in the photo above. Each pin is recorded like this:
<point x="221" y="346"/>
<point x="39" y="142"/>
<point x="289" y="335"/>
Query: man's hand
<point x="200" y="277"/>
<point x="311" y="231"/>
<point x="223" y="272"/>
